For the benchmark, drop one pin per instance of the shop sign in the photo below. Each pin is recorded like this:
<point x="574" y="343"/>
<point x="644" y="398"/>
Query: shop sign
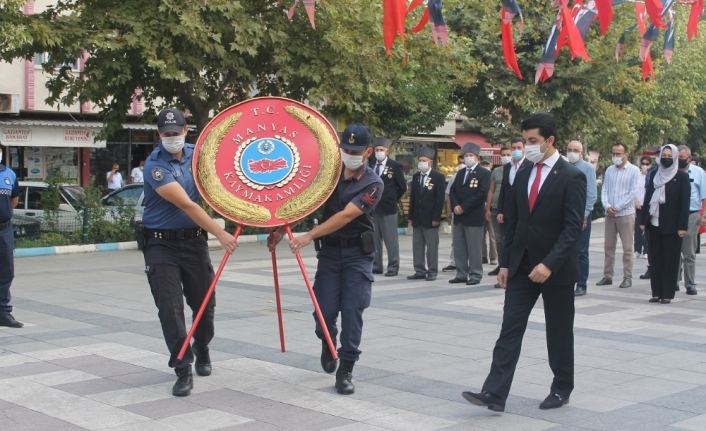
<point x="78" y="135"/>
<point x="16" y="134"/>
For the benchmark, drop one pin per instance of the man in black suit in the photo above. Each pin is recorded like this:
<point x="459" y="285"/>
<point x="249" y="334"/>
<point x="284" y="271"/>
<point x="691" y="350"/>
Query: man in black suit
<point x="542" y="225"/>
<point x="468" y="194"/>
<point x="518" y="162"/>
<point x="426" y="202"/>
<point x="385" y="215"/>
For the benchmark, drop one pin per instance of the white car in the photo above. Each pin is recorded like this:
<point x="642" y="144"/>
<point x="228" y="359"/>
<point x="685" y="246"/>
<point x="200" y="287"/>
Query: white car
<point x="30" y="205"/>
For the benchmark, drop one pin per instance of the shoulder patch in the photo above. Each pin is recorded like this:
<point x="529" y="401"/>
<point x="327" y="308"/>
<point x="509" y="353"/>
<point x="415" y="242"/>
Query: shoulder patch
<point x="7" y="180"/>
<point x="157" y="174"/>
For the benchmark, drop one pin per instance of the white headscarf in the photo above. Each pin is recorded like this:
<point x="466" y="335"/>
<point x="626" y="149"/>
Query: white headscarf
<point x="661" y="178"/>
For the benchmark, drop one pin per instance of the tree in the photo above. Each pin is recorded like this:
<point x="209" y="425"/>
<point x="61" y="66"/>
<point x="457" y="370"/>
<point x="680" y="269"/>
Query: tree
<point x="205" y="56"/>
<point x="599" y="102"/>
<point x="14" y="33"/>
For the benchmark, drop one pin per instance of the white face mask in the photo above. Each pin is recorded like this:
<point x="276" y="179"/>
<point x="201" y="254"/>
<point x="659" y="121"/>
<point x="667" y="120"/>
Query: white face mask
<point x="423" y="166"/>
<point x="142" y="168"/>
<point x="617" y="161"/>
<point x="534" y="152"/>
<point x="351" y="161"/>
<point x="380" y="155"/>
<point x="462" y="166"/>
<point x="505" y="160"/>
<point x="470" y="161"/>
<point x="173" y="144"/>
<point x="573" y="157"/>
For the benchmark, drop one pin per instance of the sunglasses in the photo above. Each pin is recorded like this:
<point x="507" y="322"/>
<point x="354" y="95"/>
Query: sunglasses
<point x="646" y="164"/>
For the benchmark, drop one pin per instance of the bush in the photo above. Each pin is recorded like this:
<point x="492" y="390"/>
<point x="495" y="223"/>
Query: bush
<point x="598" y="210"/>
<point x="51" y="239"/>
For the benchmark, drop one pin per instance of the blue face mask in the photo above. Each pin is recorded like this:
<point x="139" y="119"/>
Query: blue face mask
<point x="517" y="154"/>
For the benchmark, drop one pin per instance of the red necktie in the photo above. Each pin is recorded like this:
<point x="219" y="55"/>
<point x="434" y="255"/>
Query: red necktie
<point x="534" y="191"/>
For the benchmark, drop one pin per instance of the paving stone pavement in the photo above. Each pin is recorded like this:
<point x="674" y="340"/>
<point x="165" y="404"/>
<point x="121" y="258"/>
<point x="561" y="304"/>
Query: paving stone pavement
<point x="92" y="357"/>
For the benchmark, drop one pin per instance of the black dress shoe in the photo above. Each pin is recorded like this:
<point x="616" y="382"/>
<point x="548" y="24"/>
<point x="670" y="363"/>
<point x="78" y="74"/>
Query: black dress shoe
<point x="376" y="272"/>
<point x="553" y="401"/>
<point x="431" y="277"/>
<point x="646" y="275"/>
<point x="677" y="289"/>
<point x="472" y="282"/>
<point x="449" y="268"/>
<point x="691" y="291"/>
<point x="485" y="260"/>
<point x="184" y="384"/>
<point x="416" y="276"/>
<point x="496" y="271"/>
<point x="580" y="291"/>
<point x="605" y="281"/>
<point x="626" y="283"/>
<point x="6" y="319"/>
<point x="202" y="364"/>
<point x="344" y="378"/>
<point x="327" y="361"/>
<point x="485" y="399"/>
<point x="457" y="280"/>
<point x="390" y="273"/>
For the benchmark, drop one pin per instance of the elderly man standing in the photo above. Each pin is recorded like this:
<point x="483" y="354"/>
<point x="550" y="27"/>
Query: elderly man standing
<point x="618" y="197"/>
<point x="697" y="179"/>
<point x="574" y="153"/>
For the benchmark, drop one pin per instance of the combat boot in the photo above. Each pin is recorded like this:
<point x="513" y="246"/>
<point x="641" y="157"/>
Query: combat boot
<point x="203" y="360"/>
<point x="184" y="383"/>
<point x="344" y="378"/>
<point x="327" y="361"/>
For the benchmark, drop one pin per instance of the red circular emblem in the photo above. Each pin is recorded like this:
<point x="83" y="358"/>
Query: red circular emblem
<point x="267" y="161"/>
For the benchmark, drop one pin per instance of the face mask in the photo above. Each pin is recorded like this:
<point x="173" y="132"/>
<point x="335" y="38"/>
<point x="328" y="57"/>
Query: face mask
<point x="683" y="163"/>
<point x="352" y="162"/>
<point x="617" y="161"/>
<point x="462" y="166"/>
<point x="666" y="162"/>
<point x="517" y="154"/>
<point x="470" y="161"/>
<point x="173" y="144"/>
<point x="505" y="160"/>
<point x="423" y="166"/>
<point x="573" y="157"/>
<point x="534" y="152"/>
<point x="644" y="169"/>
<point x="380" y="155"/>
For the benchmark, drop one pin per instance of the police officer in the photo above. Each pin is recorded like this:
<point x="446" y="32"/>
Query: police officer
<point x="345" y="270"/>
<point x="426" y="201"/>
<point x="9" y="195"/>
<point x="176" y="250"/>
<point x="385" y="215"/>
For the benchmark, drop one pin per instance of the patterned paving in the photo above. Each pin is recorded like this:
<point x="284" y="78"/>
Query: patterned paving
<point x="92" y="357"/>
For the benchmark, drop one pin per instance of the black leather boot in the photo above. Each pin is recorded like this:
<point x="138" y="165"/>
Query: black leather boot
<point x="203" y="360"/>
<point x="327" y="361"/>
<point x="184" y="383"/>
<point x="344" y="378"/>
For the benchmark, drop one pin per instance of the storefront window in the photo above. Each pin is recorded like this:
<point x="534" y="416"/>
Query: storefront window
<point x="117" y="150"/>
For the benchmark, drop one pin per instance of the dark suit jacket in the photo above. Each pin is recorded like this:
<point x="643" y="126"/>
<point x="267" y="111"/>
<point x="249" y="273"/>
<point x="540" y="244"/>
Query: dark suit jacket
<point x="506" y="188"/>
<point x="674" y="212"/>
<point x="470" y="195"/>
<point x="395" y="186"/>
<point x="549" y="234"/>
<point x="427" y="202"/>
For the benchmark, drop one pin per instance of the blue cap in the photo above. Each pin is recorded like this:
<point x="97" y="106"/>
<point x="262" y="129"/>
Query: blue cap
<point x="356" y="137"/>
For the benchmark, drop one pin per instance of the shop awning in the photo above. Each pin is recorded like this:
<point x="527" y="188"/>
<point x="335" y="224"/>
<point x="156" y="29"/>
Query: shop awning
<point x="426" y="138"/>
<point x="26" y="132"/>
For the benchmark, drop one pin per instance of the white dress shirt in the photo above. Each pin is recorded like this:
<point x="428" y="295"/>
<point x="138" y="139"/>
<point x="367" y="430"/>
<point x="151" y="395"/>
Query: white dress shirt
<point x="514" y="167"/>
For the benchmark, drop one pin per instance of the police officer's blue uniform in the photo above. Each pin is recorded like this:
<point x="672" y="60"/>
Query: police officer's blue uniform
<point x="345" y="273"/>
<point x="9" y="189"/>
<point x="176" y="255"/>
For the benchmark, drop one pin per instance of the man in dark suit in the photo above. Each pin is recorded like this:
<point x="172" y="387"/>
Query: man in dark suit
<point x="385" y="215"/>
<point x="468" y="194"/>
<point x="518" y="162"/>
<point x="543" y="224"/>
<point x="426" y="202"/>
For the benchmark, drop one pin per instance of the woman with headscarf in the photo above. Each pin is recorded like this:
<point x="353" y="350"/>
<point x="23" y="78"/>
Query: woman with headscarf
<point x="667" y="199"/>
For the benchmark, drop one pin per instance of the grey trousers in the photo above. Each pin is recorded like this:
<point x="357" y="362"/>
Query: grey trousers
<point x="468" y="249"/>
<point x="688" y="250"/>
<point x="386" y="232"/>
<point x="452" y="261"/>
<point x="624" y="227"/>
<point x="499" y="229"/>
<point x="425" y="241"/>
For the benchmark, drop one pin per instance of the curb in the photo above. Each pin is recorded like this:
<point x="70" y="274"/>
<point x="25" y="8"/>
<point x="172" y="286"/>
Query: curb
<point x="213" y="244"/>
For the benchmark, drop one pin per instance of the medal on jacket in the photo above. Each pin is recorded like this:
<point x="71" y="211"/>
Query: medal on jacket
<point x="429" y="184"/>
<point x="474" y="183"/>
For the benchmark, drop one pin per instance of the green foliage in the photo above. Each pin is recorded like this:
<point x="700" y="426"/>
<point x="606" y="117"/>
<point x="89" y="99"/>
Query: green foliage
<point x="598" y="210"/>
<point x="49" y="239"/>
<point x="207" y="55"/>
<point x="106" y="224"/>
<point x="51" y="199"/>
<point x="14" y="30"/>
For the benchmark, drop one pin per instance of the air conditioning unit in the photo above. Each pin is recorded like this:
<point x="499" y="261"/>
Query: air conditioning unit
<point x="9" y="103"/>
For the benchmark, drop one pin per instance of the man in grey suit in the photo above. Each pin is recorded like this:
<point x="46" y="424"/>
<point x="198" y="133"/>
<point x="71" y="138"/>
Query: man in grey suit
<point x="385" y="215"/>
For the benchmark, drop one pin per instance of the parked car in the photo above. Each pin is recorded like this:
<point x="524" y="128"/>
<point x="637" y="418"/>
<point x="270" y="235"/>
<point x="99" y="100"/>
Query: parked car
<point x="132" y="195"/>
<point x="24" y="227"/>
<point x="30" y="205"/>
